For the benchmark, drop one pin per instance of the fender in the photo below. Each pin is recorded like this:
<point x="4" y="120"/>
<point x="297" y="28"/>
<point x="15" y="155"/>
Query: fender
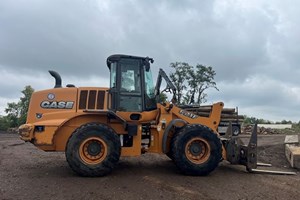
<point x="167" y="130"/>
<point x="54" y="132"/>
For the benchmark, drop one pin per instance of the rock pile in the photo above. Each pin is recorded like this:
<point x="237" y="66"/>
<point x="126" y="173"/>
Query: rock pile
<point x="12" y="130"/>
<point x="260" y="130"/>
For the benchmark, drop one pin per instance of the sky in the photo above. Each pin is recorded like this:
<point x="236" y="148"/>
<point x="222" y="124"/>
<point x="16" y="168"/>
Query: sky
<point x="254" y="46"/>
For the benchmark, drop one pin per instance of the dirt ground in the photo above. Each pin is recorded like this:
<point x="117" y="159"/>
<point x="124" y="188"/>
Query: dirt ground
<point x="29" y="173"/>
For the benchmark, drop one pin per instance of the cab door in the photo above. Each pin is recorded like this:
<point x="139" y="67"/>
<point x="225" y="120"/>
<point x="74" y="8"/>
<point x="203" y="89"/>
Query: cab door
<point x="126" y="86"/>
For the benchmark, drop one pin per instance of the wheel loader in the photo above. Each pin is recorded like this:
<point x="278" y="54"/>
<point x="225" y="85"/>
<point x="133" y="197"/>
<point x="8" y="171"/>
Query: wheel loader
<point x="94" y="126"/>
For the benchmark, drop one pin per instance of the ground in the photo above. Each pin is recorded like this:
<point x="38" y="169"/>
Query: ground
<point x="29" y="173"/>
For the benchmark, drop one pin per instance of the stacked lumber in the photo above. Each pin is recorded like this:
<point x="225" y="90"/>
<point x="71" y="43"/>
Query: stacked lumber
<point x="228" y="114"/>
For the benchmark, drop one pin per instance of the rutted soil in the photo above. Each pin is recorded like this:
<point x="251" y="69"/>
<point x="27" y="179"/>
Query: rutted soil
<point x="29" y="173"/>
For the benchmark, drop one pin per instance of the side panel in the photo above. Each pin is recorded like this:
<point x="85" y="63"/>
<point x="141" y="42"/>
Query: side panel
<point x="45" y="138"/>
<point x="58" y="103"/>
<point x="157" y="131"/>
<point x="64" y="132"/>
<point x="59" y="110"/>
<point x="135" y="150"/>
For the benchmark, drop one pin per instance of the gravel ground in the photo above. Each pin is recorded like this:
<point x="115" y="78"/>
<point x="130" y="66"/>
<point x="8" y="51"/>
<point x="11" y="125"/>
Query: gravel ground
<point x="29" y="173"/>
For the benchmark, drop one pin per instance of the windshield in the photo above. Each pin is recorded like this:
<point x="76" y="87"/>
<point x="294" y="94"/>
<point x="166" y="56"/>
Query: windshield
<point x="149" y="88"/>
<point x="130" y="76"/>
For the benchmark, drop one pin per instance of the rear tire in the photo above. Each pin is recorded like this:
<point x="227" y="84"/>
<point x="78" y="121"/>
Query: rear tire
<point x="197" y="150"/>
<point x="93" y="150"/>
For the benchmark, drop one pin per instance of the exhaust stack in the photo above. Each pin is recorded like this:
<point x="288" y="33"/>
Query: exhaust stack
<point x="57" y="78"/>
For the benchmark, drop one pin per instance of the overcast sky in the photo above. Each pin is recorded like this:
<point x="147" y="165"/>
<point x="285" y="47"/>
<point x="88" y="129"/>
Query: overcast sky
<point x="254" y="46"/>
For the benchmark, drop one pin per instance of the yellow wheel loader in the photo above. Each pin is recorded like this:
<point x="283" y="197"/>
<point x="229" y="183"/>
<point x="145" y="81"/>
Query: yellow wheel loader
<point x="97" y="125"/>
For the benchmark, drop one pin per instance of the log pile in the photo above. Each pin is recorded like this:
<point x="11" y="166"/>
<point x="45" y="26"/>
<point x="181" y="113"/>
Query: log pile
<point x="228" y="114"/>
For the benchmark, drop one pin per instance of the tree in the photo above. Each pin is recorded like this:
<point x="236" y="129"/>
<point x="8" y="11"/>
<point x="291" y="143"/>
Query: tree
<point x="187" y="98"/>
<point x="286" y="122"/>
<point x="191" y="82"/>
<point x="204" y="80"/>
<point x="17" y="112"/>
<point x="4" y="124"/>
<point x="13" y="114"/>
<point x="24" y="103"/>
<point x="249" y="120"/>
<point x="179" y="78"/>
<point x="253" y="120"/>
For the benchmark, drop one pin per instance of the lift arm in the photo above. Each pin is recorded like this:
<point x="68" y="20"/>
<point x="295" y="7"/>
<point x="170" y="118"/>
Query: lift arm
<point x="170" y="86"/>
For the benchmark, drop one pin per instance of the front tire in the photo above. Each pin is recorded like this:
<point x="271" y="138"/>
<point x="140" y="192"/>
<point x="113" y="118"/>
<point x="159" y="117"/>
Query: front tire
<point x="197" y="150"/>
<point x="93" y="150"/>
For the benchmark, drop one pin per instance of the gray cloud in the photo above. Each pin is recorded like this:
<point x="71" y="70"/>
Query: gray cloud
<point x="252" y="45"/>
<point x="261" y="96"/>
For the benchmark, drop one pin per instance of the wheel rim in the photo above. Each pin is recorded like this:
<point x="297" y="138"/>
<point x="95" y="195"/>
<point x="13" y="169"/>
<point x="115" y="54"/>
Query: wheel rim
<point x="197" y="150"/>
<point x="93" y="150"/>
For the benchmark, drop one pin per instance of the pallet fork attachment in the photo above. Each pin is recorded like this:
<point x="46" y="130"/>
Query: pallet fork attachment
<point x="240" y="154"/>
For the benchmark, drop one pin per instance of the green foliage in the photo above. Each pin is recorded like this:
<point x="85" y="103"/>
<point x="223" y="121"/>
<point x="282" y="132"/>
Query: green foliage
<point x="179" y="78"/>
<point x="17" y="112"/>
<point x="253" y="120"/>
<point x="284" y="122"/>
<point x="4" y="123"/>
<point x="191" y="82"/>
<point x="162" y="97"/>
<point x="199" y="80"/>
<point x="13" y="114"/>
<point x="296" y="128"/>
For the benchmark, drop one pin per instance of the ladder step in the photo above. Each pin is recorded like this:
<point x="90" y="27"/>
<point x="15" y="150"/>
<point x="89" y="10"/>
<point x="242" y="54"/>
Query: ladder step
<point x="264" y="165"/>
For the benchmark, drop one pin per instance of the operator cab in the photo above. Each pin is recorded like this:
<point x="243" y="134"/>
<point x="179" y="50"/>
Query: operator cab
<point x="131" y="84"/>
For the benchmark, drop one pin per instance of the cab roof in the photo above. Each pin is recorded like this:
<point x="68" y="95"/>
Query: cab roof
<point x="117" y="57"/>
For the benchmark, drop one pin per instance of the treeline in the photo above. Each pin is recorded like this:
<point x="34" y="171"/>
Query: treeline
<point x="16" y="112"/>
<point x="251" y="120"/>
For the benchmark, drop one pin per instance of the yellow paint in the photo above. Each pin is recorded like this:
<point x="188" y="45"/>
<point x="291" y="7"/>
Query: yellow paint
<point x="45" y="137"/>
<point x="135" y="150"/>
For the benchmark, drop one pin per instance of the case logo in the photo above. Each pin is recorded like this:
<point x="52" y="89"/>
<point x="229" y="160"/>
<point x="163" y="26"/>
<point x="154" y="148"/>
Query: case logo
<point x="57" y="104"/>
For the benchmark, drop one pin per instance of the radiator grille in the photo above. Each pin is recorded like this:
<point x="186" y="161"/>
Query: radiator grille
<point x="100" y="102"/>
<point x="91" y="99"/>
